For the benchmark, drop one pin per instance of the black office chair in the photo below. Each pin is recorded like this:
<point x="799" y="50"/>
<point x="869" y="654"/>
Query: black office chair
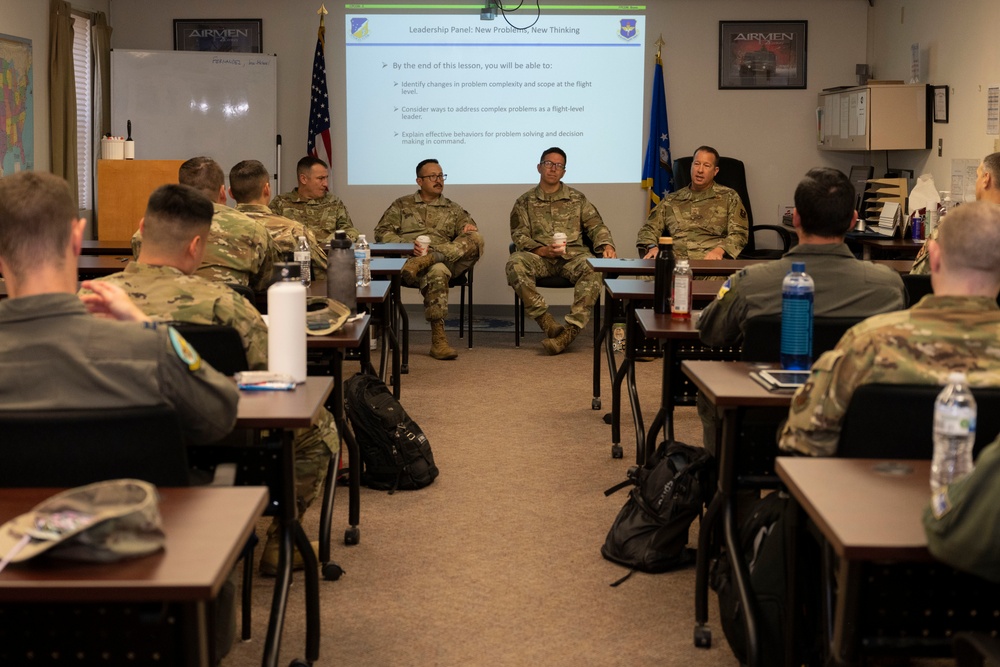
<point x="917" y="287"/>
<point x="976" y="649"/>
<point x="221" y="346"/>
<point x="732" y="174"/>
<point x="895" y="421"/>
<point x="762" y="336"/>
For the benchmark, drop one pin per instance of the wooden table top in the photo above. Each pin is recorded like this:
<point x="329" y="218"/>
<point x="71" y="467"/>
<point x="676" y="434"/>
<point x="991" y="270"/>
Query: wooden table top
<point x="289" y="409"/>
<point x="867" y="509"/>
<point x="642" y="290"/>
<point x="387" y="266"/>
<point x="728" y="384"/>
<point x="95" y="247"/>
<point x="101" y="265"/>
<point x="655" y="325"/>
<point x="349" y="336"/>
<point x="391" y="249"/>
<point x="376" y="291"/>
<point x="206" y="529"/>
<point x="625" y="266"/>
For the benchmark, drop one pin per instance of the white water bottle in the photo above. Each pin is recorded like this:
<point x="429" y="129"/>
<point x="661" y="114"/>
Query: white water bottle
<point x="954" y="432"/>
<point x="362" y="262"/>
<point x="286" y="331"/>
<point x="303" y="258"/>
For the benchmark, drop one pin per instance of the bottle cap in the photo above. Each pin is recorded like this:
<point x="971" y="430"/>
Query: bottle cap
<point x="799" y="267"/>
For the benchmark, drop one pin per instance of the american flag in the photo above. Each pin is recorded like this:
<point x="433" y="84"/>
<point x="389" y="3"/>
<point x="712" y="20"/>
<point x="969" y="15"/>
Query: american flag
<point x="319" y="143"/>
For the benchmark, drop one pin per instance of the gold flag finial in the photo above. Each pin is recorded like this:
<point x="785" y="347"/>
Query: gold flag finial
<point x="659" y="43"/>
<point x="322" y="14"/>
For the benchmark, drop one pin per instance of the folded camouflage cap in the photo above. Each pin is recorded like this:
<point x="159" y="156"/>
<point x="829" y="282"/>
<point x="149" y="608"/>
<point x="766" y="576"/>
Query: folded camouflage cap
<point x="325" y="315"/>
<point x="103" y="522"/>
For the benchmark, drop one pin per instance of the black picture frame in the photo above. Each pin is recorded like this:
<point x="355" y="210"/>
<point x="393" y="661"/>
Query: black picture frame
<point x="224" y="35"/>
<point x="762" y="54"/>
<point x="940" y="103"/>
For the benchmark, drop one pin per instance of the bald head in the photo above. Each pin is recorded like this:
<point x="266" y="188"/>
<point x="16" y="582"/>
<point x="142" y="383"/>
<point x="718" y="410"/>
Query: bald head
<point x="968" y="247"/>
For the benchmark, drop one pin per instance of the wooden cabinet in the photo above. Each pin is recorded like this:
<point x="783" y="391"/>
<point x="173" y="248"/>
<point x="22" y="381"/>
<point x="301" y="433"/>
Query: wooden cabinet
<point x="874" y="118"/>
<point x="123" y="189"/>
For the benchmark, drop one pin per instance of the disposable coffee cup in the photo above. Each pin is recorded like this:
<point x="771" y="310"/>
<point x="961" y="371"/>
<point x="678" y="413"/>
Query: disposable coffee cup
<point x="421" y="244"/>
<point x="559" y="242"/>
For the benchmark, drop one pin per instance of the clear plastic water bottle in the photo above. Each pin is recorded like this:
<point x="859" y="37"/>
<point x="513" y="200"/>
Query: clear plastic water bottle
<point x="663" y="275"/>
<point x="303" y="258"/>
<point x="362" y="262"/>
<point x="797" y="319"/>
<point x="954" y="432"/>
<point x="681" y="293"/>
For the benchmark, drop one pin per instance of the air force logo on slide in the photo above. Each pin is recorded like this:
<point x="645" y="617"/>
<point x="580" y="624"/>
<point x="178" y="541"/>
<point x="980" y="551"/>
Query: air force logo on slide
<point x="359" y="28"/>
<point x="627" y="29"/>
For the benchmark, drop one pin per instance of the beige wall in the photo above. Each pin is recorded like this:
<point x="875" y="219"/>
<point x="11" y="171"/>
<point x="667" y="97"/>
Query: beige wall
<point x="959" y="48"/>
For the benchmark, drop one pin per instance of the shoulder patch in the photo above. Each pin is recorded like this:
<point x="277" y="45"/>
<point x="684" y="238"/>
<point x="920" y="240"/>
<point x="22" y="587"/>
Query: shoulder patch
<point x="184" y="351"/>
<point x="724" y="289"/>
<point x="940" y="504"/>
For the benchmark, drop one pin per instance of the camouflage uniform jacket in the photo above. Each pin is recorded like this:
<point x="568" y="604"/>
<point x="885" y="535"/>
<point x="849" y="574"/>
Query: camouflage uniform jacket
<point x="845" y="287"/>
<point x="922" y="264"/>
<point x="698" y="222"/>
<point x="410" y="216"/>
<point x="537" y="215"/>
<point x="323" y="215"/>
<point x="286" y="233"/>
<point x="963" y="519"/>
<point x="238" y="250"/>
<point x="922" y="345"/>
<point x="167" y="294"/>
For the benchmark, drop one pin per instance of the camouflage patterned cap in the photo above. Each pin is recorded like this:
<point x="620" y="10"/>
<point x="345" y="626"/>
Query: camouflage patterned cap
<point x="104" y="522"/>
<point x="324" y="316"/>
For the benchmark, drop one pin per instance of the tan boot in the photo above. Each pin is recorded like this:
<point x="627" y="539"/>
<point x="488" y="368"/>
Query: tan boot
<point x="562" y="341"/>
<point x="439" y="342"/>
<point x="414" y="267"/>
<point x="549" y="325"/>
<point x="269" y="556"/>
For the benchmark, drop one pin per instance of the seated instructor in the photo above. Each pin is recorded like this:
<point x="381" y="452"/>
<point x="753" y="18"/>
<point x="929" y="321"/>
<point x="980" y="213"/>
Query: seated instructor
<point x="705" y="219"/>
<point x="56" y="355"/>
<point x="957" y="328"/>
<point x="162" y="283"/>
<point x="455" y="246"/>
<point x="553" y="207"/>
<point x="312" y="204"/>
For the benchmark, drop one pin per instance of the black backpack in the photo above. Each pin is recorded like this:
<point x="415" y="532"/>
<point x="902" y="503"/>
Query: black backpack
<point x="395" y="451"/>
<point x="650" y="532"/>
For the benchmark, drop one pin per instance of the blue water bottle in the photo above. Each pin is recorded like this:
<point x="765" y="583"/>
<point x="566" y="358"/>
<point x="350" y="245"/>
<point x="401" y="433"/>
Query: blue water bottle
<point x="797" y="319"/>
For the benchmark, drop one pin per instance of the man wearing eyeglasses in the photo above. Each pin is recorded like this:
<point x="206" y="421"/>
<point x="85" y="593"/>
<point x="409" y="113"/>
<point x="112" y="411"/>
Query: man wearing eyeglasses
<point x="455" y="246"/>
<point x="705" y="219"/>
<point x="553" y="208"/>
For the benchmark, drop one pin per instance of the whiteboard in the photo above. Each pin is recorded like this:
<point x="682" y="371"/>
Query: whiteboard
<point x="185" y="104"/>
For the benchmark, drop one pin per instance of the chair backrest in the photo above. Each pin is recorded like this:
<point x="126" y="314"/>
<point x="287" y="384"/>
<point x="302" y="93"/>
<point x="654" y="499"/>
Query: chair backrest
<point x="917" y="287"/>
<point x="895" y="421"/>
<point x="732" y="174"/>
<point x="221" y="346"/>
<point x="762" y="336"/>
<point x="65" y="448"/>
<point x="243" y="291"/>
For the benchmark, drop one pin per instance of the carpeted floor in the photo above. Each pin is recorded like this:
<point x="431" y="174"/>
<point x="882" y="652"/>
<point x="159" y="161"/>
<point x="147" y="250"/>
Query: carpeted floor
<point x="498" y="562"/>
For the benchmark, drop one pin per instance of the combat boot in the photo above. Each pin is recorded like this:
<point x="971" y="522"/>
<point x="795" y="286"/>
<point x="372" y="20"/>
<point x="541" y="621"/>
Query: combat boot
<point x="561" y="342"/>
<point x="549" y="325"/>
<point x="414" y="266"/>
<point x="439" y="342"/>
<point x="269" y="557"/>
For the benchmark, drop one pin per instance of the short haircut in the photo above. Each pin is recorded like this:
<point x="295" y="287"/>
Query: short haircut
<point x="554" y="149"/>
<point x="420" y="165"/>
<point x="202" y="173"/>
<point x="175" y="214"/>
<point x="707" y="149"/>
<point x="824" y="200"/>
<point x="307" y="163"/>
<point x="247" y="180"/>
<point x="991" y="163"/>
<point x="969" y="238"/>
<point x="37" y="210"/>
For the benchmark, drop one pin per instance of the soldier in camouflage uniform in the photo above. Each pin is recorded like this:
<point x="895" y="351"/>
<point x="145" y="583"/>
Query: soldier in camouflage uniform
<point x="538" y="214"/>
<point x="312" y="204"/>
<point x="455" y="247"/>
<point x="987" y="189"/>
<point x="705" y="219"/>
<point x="963" y="519"/>
<point x="238" y="250"/>
<point x="250" y="187"/>
<point x="955" y="329"/>
<point x="161" y="284"/>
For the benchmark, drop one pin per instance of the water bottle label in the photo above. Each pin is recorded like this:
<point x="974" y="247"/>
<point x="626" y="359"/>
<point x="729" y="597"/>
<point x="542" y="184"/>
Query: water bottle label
<point x="301" y="256"/>
<point x="359" y="255"/>
<point x="954" y="420"/>
<point x="796" y="326"/>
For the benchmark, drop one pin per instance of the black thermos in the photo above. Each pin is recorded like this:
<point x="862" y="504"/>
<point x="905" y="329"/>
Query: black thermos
<point x="664" y="273"/>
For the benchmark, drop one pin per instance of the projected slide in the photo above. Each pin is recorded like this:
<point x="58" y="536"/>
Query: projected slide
<point x="486" y="99"/>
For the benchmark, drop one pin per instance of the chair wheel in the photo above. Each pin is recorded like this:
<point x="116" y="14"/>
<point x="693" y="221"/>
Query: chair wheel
<point x="595" y="403"/>
<point x="332" y="572"/>
<point x="617" y="452"/>
<point x="607" y="418"/>
<point x="299" y="663"/>
<point x="702" y="636"/>
<point x="352" y="535"/>
<point x="404" y="369"/>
